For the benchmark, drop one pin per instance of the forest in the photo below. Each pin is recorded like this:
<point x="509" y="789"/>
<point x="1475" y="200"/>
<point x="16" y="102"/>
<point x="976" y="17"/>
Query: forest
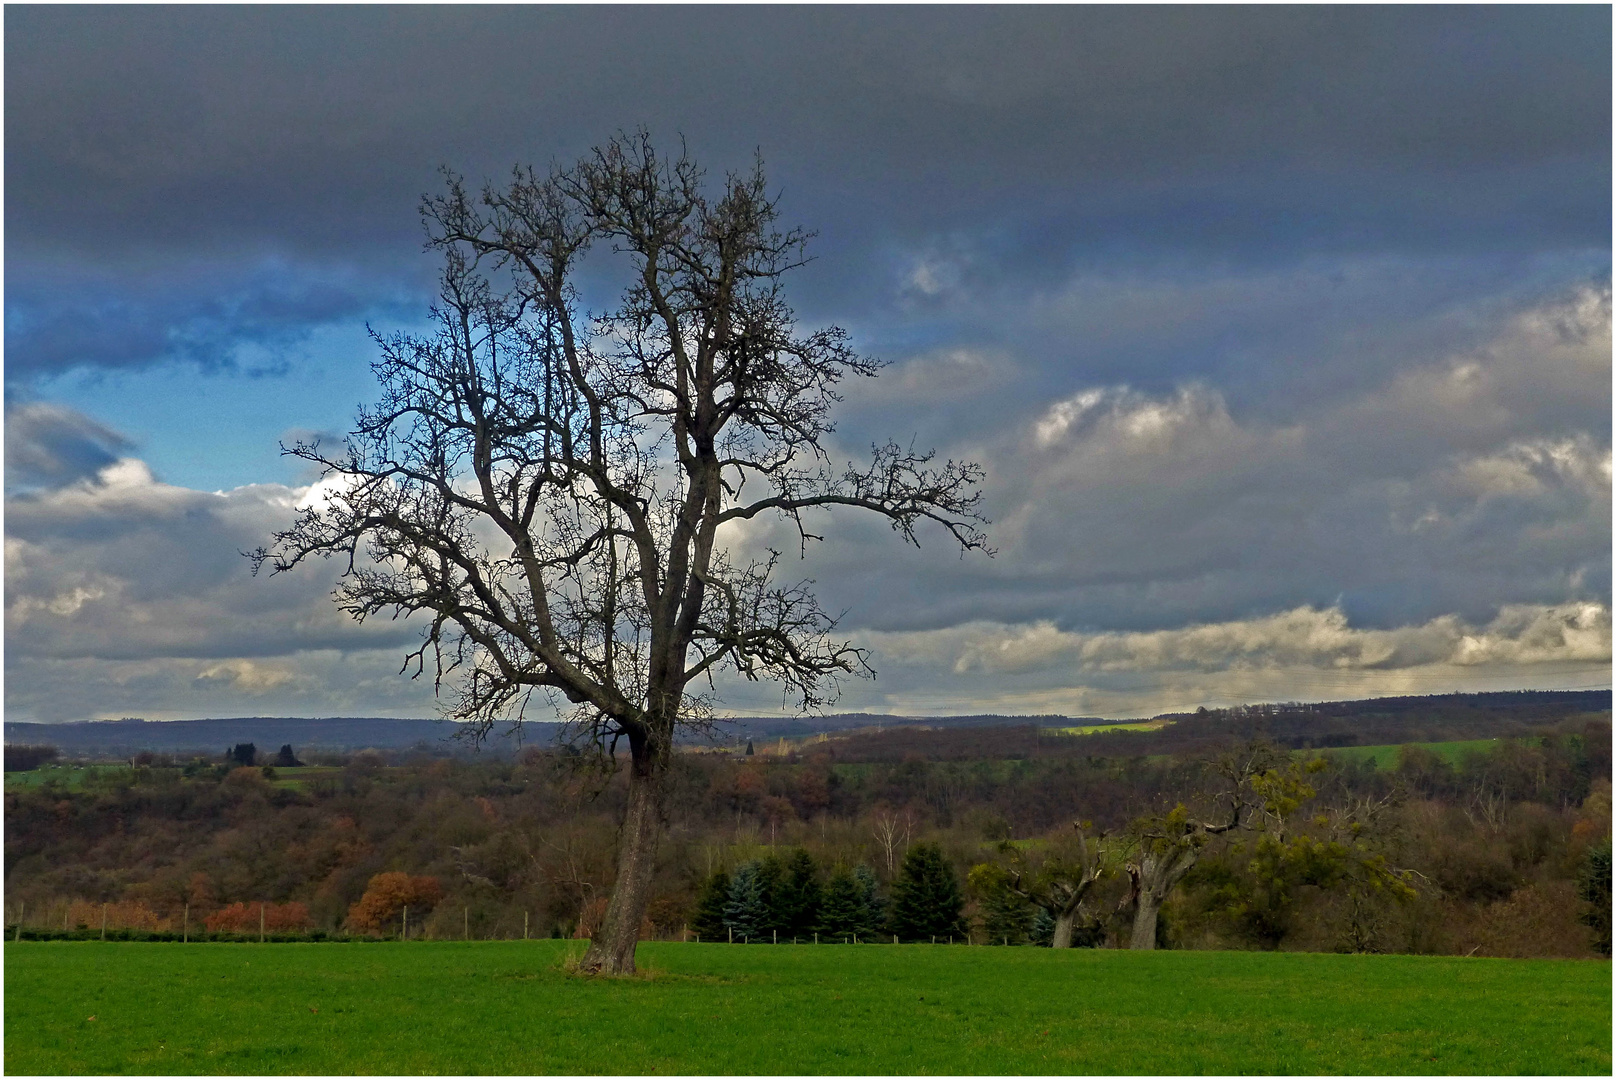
<point x="1495" y="846"/>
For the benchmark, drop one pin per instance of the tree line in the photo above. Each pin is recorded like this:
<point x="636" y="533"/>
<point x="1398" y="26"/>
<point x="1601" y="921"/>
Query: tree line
<point x="1498" y="852"/>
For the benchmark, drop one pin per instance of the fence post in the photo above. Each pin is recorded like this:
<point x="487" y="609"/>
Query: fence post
<point x="185" y="935"/>
<point x="465" y="923"/>
<point x="404" y="933"/>
<point x="894" y="939"/>
<point x="260" y="922"/>
<point x="816" y="937"/>
<point x="732" y="935"/>
<point x="103" y="922"/>
<point x="524" y="926"/>
<point x="22" y="909"/>
<point x="777" y="937"/>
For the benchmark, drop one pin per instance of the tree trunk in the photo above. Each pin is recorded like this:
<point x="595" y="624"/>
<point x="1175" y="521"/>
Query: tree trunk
<point x="1064" y="922"/>
<point x="611" y="948"/>
<point x="1154" y="877"/>
<point x="1144" y="922"/>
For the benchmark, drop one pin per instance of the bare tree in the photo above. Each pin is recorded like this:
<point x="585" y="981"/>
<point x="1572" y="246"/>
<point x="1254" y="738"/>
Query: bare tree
<point x="547" y="488"/>
<point x="892" y="833"/>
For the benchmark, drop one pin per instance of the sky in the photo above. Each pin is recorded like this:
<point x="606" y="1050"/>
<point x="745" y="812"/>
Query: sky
<point x="1283" y="334"/>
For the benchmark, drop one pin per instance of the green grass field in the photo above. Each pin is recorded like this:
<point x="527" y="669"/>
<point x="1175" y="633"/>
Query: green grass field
<point x="1386" y="757"/>
<point x="80" y="777"/>
<point x="509" y="1007"/>
<point x="1092" y="729"/>
<point x="70" y="777"/>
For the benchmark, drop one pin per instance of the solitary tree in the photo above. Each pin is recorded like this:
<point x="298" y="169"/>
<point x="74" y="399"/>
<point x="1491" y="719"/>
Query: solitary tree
<point x="549" y="488"/>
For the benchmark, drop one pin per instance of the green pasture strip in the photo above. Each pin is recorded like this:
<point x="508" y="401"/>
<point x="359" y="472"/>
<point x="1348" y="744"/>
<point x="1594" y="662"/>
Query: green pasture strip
<point x="71" y="777"/>
<point x="1094" y="729"/>
<point x="509" y="1008"/>
<point x="298" y="776"/>
<point x="1386" y="757"/>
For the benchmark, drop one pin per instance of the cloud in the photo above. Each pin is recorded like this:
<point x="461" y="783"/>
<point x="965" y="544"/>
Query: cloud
<point x="1303" y="637"/>
<point x="48" y="445"/>
<point x="1399" y="499"/>
<point x="217" y="317"/>
<point x="349" y="682"/>
<point x="248" y="676"/>
<point x="122" y="567"/>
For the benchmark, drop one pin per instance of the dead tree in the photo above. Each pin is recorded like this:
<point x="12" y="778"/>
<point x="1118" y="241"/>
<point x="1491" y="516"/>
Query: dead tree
<point x="548" y="490"/>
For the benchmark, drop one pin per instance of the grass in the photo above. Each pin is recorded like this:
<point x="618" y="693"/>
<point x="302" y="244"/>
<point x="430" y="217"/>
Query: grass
<point x="1386" y="757"/>
<point x="81" y="777"/>
<point x="510" y="1008"/>
<point x="1093" y="729"/>
<point x="70" y="777"/>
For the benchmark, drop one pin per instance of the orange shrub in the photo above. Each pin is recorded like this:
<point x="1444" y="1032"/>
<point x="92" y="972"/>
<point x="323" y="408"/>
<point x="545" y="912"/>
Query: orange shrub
<point x="386" y="897"/>
<point x="277" y="918"/>
<point x="123" y="915"/>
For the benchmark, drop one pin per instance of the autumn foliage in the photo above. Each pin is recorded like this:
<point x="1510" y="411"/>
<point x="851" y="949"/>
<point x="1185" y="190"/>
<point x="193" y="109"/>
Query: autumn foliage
<point x="277" y="918"/>
<point x="386" y="897"/>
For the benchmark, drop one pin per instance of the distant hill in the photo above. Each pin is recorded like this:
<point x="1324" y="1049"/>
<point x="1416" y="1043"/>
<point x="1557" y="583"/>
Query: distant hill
<point x="268" y="732"/>
<point x="213" y="736"/>
<point x="1334" y="723"/>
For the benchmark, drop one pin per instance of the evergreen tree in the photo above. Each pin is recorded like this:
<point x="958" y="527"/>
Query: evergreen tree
<point x="1043" y="928"/>
<point x="1593" y="889"/>
<point x="926" y="898"/>
<point x="1007" y="919"/>
<point x="772" y="880"/>
<point x="842" y="910"/>
<point x="746" y="911"/>
<point x="872" y="908"/>
<point x="709" y="920"/>
<point x="799" y="895"/>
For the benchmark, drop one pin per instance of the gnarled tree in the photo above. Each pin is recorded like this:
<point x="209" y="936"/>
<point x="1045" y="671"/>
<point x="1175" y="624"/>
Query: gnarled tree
<point x="1058" y="886"/>
<point x="1169" y="845"/>
<point x="548" y="489"/>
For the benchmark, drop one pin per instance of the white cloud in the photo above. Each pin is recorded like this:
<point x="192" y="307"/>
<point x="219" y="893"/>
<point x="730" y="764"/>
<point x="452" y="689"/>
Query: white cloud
<point x="1302" y="637"/>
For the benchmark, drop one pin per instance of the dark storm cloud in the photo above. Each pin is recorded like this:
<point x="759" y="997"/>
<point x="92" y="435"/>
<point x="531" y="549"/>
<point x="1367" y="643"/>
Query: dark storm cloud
<point x="1282" y="332"/>
<point x="50" y="445"/>
<point x="214" y="317"/>
<point x="163" y="137"/>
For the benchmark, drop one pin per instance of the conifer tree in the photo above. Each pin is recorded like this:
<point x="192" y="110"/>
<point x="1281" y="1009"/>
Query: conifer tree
<point x="771" y="881"/>
<point x="1007" y="919"/>
<point x="746" y="911"/>
<point x="709" y="920"/>
<point x="926" y="900"/>
<point x="1043" y="928"/>
<point x="872" y="908"/>
<point x="842" y="910"/>
<point x="799" y="895"/>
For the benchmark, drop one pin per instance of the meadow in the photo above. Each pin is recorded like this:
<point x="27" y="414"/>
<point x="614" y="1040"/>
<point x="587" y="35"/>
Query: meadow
<point x="512" y="1008"/>
<point x="1387" y="757"/>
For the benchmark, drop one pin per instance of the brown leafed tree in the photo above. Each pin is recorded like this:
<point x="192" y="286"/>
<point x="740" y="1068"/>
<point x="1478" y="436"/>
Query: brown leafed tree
<point x="548" y="489"/>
